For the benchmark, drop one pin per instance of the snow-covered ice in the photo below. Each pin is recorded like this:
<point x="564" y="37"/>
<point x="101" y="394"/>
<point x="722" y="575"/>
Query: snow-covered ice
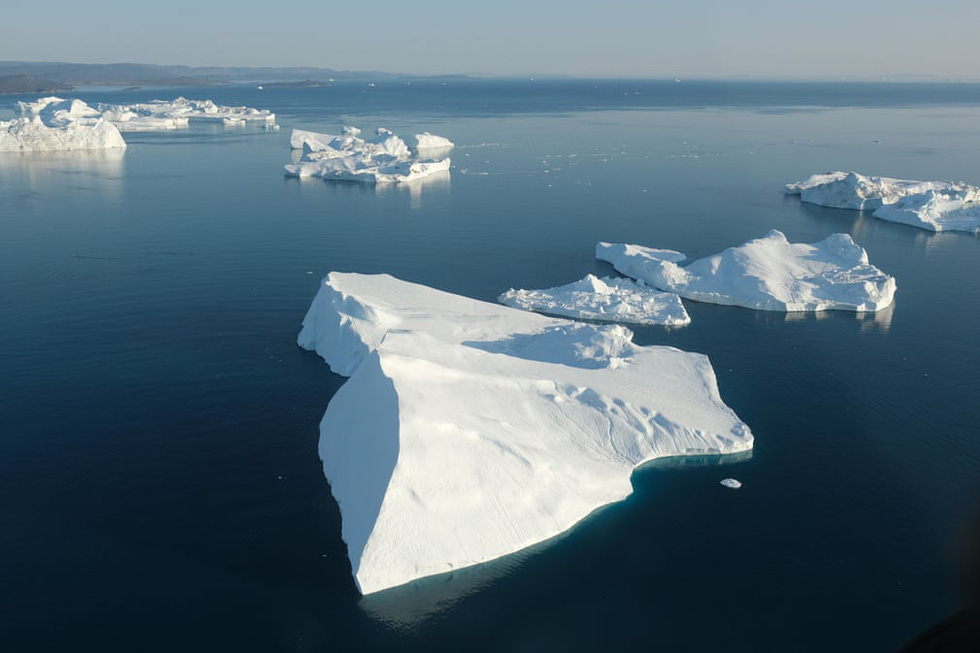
<point x="606" y="299"/>
<point x="52" y="124"/>
<point x="470" y="430"/>
<point x="769" y="273"/>
<point x="382" y="159"/>
<point x="427" y="141"/>
<point x="932" y="205"/>
<point x="166" y="115"/>
<point x="732" y="483"/>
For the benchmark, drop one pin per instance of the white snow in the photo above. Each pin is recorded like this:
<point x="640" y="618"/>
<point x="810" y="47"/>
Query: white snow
<point x="768" y="273"/>
<point x="606" y="299"/>
<point x="167" y="115"/>
<point x="52" y="124"/>
<point x="732" y="483"/>
<point x="469" y="430"/>
<point x="932" y="205"/>
<point x="382" y="159"/>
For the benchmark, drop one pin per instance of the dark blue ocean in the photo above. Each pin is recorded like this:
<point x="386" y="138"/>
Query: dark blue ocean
<point x="159" y="482"/>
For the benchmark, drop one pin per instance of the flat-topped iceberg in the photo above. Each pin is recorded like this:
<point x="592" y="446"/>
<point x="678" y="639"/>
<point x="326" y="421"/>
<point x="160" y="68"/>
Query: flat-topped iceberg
<point x="769" y="274"/>
<point x="932" y="205"/>
<point x="469" y="430"/>
<point x="52" y="124"/>
<point x="166" y="115"/>
<point x="427" y="141"/>
<point x="606" y="299"/>
<point x="382" y="159"/>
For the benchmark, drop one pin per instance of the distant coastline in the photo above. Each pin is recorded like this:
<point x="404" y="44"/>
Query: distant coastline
<point x="30" y="84"/>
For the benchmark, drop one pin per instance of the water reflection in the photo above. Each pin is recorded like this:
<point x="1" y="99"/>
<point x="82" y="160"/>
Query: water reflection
<point x="100" y="170"/>
<point x="434" y="183"/>
<point x="868" y="321"/>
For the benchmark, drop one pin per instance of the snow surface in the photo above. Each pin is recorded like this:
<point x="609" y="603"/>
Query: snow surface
<point x="606" y="299"/>
<point x="167" y="115"/>
<point x="52" y="124"/>
<point x="931" y="205"/>
<point x="382" y="159"/>
<point x="469" y="430"/>
<point x="769" y="274"/>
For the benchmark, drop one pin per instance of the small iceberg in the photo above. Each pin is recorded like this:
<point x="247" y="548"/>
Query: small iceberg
<point x="931" y="205"/>
<point x="731" y="483"/>
<point x="469" y="430"/>
<point x="427" y="141"/>
<point x="767" y="274"/>
<point x="169" y="115"/>
<point x="52" y="124"/>
<point x="379" y="160"/>
<point x="606" y="299"/>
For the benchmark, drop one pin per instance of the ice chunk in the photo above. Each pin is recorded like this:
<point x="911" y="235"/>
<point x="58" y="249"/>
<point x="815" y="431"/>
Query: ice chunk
<point x="932" y="205"/>
<point x="606" y="299"/>
<point x="769" y="274"/>
<point x="732" y="483"/>
<point x="469" y="430"/>
<point x="382" y="159"/>
<point x="427" y="141"/>
<point x="52" y="124"/>
<point x="167" y="115"/>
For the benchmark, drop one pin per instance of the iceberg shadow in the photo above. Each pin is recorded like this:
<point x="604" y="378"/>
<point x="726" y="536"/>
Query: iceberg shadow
<point x="360" y="469"/>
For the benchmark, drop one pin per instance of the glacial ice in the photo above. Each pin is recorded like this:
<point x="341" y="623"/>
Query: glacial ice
<point x="769" y="274"/>
<point x="382" y="159"/>
<point x="731" y="483"/>
<point x="931" y="205"/>
<point x="167" y="115"/>
<point x="469" y="430"/>
<point x="427" y="141"/>
<point x="52" y="124"/>
<point x="606" y="299"/>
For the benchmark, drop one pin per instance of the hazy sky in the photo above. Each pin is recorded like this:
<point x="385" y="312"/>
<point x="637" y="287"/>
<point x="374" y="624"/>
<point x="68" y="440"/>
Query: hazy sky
<point x="685" y="38"/>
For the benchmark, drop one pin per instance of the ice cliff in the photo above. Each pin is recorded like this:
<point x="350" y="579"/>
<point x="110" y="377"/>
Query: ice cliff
<point x="52" y="124"/>
<point x="469" y="430"/>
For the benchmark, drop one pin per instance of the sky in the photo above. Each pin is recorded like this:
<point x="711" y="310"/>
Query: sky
<point x="830" y="39"/>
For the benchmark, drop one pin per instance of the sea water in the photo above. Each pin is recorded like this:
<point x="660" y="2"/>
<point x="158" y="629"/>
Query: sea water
<point x="158" y="462"/>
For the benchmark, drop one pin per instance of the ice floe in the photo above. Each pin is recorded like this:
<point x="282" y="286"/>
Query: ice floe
<point x="769" y="273"/>
<point x="382" y="159"/>
<point x="470" y="430"/>
<point x="166" y="115"/>
<point x="931" y="205"/>
<point x="731" y="483"/>
<point x="606" y="299"/>
<point x="53" y="124"/>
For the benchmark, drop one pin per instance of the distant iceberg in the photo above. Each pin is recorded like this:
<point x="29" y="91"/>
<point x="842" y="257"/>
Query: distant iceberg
<point x="469" y="430"/>
<point x="52" y="124"/>
<point x="769" y="274"/>
<point x="606" y="299"/>
<point x="167" y="115"/>
<point x="931" y="205"/>
<point x="348" y="157"/>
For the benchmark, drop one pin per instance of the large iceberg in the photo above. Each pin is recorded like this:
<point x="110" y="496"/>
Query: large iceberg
<point x="469" y="430"/>
<point x="769" y="274"/>
<point x="606" y="299"/>
<point x="52" y="124"/>
<point x="382" y="159"/>
<point x="166" y="115"/>
<point x="932" y="205"/>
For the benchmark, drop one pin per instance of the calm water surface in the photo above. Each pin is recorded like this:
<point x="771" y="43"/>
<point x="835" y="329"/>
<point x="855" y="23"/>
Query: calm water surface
<point x="158" y="467"/>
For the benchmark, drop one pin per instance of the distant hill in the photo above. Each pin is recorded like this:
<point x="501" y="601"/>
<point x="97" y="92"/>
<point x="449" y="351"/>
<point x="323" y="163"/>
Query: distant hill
<point x="30" y="84"/>
<point x="132" y="74"/>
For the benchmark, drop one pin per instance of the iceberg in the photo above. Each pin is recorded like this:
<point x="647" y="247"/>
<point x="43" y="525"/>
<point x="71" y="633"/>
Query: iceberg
<point x="168" y="115"/>
<point x="52" y="124"/>
<point x="606" y="299"/>
<point x="468" y="430"/>
<point x="427" y="141"/>
<point x="382" y="159"/>
<point x="731" y="483"/>
<point x="931" y="205"/>
<point x="767" y="274"/>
